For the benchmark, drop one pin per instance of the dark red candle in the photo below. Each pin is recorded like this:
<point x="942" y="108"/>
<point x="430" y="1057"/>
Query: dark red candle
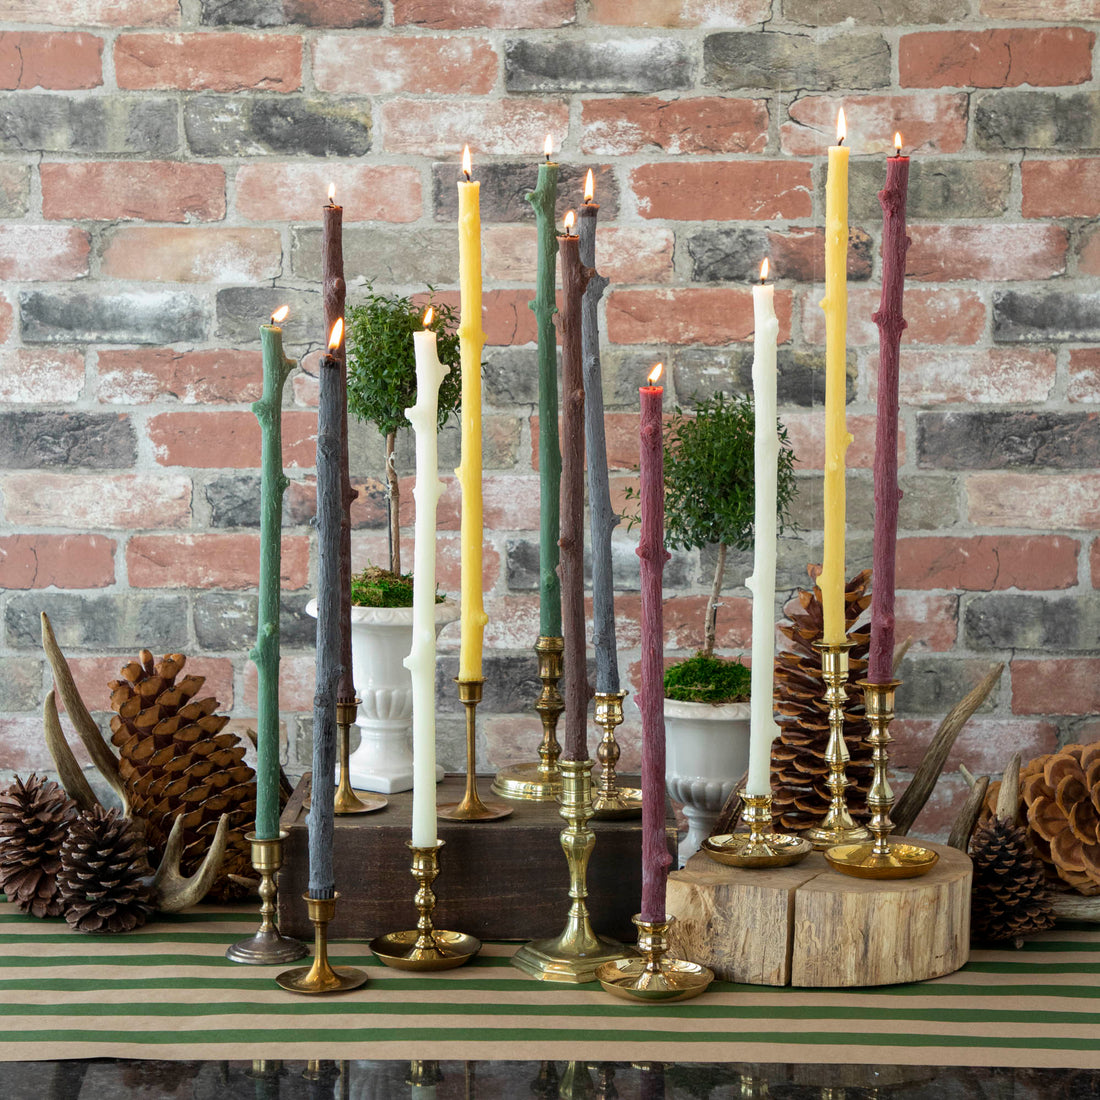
<point x="891" y="324"/>
<point x="651" y="693"/>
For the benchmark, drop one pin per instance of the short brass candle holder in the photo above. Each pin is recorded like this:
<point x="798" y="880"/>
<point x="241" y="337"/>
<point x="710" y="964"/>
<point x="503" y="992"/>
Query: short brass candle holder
<point x="760" y="847"/>
<point x="880" y="859"/>
<point x="540" y="781"/>
<point x="471" y="808"/>
<point x="654" y="977"/>
<point x="574" y="955"/>
<point x="267" y="945"/>
<point x="425" y="947"/>
<point x="347" y="800"/>
<point x="610" y="802"/>
<point x="837" y="827"/>
<point x="321" y="976"/>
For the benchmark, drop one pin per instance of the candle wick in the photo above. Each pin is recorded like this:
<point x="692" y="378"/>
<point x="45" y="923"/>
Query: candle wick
<point x="840" y="141"/>
<point x="466" y="174"/>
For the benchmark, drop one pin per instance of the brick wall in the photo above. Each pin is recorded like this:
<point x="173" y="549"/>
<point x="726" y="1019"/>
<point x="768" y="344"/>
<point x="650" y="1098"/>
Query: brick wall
<point x="162" y="169"/>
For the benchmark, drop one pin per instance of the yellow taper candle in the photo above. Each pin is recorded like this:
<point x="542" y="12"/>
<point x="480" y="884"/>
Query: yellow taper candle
<point x="471" y="338"/>
<point x="835" y="305"/>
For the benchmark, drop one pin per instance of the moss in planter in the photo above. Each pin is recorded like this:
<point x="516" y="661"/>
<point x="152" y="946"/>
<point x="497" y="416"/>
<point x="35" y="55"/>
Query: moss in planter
<point x="376" y="587"/>
<point x="706" y="679"/>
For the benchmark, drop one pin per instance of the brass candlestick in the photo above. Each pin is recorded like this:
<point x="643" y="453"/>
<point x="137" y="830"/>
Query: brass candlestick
<point x="574" y="955"/>
<point x="425" y="947"/>
<point x="321" y="977"/>
<point x="881" y="859"/>
<point x="654" y="977"/>
<point x="267" y="944"/>
<point x="471" y="808"/>
<point x="760" y="846"/>
<point x="347" y="800"/>
<point x="837" y="826"/>
<point x="540" y="781"/>
<point x="610" y="801"/>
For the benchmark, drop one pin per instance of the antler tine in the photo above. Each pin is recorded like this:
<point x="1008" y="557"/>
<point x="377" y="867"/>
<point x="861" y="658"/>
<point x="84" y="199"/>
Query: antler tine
<point x="176" y="892"/>
<point x="73" y="780"/>
<point x="1008" y="798"/>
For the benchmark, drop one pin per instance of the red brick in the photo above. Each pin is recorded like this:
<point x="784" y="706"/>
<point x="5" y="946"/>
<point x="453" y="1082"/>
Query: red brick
<point x="210" y="561"/>
<point x="998" y="376"/>
<point x="928" y="123"/>
<point x="297" y="192"/>
<point x="1088" y="252"/>
<point x="513" y="621"/>
<point x="156" y="191"/>
<point x="1041" y="501"/>
<point x="229" y="440"/>
<point x="723" y="190"/>
<point x="944" y="315"/>
<point x="929" y="619"/>
<point x="43" y="252"/>
<point x="456" y="14"/>
<point x="93" y="674"/>
<point x="47" y="59"/>
<point x="995" y="58"/>
<point x="965" y="252"/>
<point x="1067" y="188"/>
<point x="367" y="510"/>
<point x="806" y="431"/>
<point x="510" y="502"/>
<point x="798" y="253"/>
<point x="297" y="683"/>
<point x="400" y="63"/>
<point x="692" y="315"/>
<point x="680" y="13"/>
<point x="23" y="748"/>
<point x="195" y="254"/>
<point x="622" y="443"/>
<point x="371" y="547"/>
<point x="704" y="124"/>
<point x="986" y="562"/>
<point x="61" y="561"/>
<point x="48" y="376"/>
<point x="136" y="376"/>
<point x="984" y="745"/>
<point x="83" y="501"/>
<point x="1083" y="381"/>
<point x="334" y="13"/>
<point x="506" y="316"/>
<point x="94" y="13"/>
<point x="1065" y="685"/>
<point x="683" y="622"/>
<point x="209" y="62"/>
<point x="6" y="318"/>
<point x="505" y="127"/>
<point x="1054" y="10"/>
<point x="625" y="254"/>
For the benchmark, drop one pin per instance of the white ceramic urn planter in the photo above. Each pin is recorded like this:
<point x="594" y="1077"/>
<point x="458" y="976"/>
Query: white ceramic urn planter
<point x="706" y="753"/>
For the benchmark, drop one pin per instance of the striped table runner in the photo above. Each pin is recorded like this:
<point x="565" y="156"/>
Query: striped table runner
<point x="168" y="992"/>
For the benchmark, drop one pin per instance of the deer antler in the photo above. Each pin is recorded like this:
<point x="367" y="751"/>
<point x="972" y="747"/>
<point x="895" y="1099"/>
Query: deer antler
<point x="73" y="781"/>
<point x="175" y="892"/>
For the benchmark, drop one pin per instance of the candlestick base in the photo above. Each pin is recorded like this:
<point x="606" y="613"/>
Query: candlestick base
<point x="267" y="945"/>
<point x="759" y="847"/>
<point x="654" y="978"/>
<point x="425" y="947"/>
<point x="471" y="808"/>
<point x="347" y="800"/>
<point x="610" y="802"/>
<point x="321" y="977"/>
<point x="574" y="955"/>
<point x="540" y="781"/>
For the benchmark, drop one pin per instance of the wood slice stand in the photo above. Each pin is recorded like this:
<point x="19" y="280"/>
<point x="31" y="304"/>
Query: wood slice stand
<point x="809" y="925"/>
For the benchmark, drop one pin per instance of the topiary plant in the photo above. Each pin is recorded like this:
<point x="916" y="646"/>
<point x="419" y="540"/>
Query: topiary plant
<point x="382" y="376"/>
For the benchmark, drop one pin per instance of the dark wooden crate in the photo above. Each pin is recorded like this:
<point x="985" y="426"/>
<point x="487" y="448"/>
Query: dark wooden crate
<point x="499" y="880"/>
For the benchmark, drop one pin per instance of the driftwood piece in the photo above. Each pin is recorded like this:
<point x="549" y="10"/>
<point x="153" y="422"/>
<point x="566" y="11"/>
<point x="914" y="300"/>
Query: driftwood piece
<point x="1070" y="906"/>
<point x="963" y="826"/>
<point x="917" y="793"/>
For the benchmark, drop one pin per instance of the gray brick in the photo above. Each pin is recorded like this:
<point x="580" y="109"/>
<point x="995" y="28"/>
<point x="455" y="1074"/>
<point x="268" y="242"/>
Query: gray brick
<point x="1038" y="120"/>
<point x="63" y="316"/>
<point x="226" y="622"/>
<point x="932" y="686"/>
<point x="938" y="188"/>
<point x="278" y="13"/>
<point x="392" y="256"/>
<point x="754" y="59"/>
<point x="125" y="622"/>
<point x="36" y="440"/>
<point x="728" y="254"/>
<point x="511" y="684"/>
<point x="99" y="124"/>
<point x="522" y="564"/>
<point x="1000" y="440"/>
<point x="20" y="684"/>
<point x="242" y="309"/>
<point x="616" y="64"/>
<point x="15" y="187"/>
<point x="1051" y="624"/>
<point x="244" y="13"/>
<point x="510" y="376"/>
<point x="234" y="500"/>
<point x="824" y="13"/>
<point x="1045" y="316"/>
<point x="928" y="502"/>
<point x="220" y="126"/>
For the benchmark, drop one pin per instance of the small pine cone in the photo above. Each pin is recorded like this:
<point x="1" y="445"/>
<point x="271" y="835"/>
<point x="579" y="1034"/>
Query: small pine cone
<point x="34" y="819"/>
<point x="104" y="874"/>
<point x="1010" y="897"/>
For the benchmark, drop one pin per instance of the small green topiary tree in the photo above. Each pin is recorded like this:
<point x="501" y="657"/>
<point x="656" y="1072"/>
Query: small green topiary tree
<point x="382" y="377"/>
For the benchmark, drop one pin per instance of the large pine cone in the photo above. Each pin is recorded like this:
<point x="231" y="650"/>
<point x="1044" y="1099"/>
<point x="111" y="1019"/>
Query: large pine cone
<point x="34" y="818"/>
<point x="1010" y="898"/>
<point x="104" y="877"/>
<point x="177" y="762"/>
<point x="800" y="798"/>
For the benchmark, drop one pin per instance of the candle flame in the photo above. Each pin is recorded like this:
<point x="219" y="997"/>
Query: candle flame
<point x="841" y="127"/>
<point x="655" y="374"/>
<point x="336" y="335"/>
<point x="280" y="315"/>
<point x="331" y="193"/>
<point x="764" y="269"/>
<point x="548" y="146"/>
<point x="589" y="187"/>
<point x="897" y="141"/>
<point x="429" y="313"/>
<point x="570" y="218"/>
<point x="467" y="165"/>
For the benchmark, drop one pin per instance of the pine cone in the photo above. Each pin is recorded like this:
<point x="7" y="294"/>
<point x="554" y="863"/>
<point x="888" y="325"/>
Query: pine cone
<point x="175" y="761"/>
<point x="34" y="818"/>
<point x="104" y="877"/>
<point x="1010" y="898"/>
<point x="800" y="798"/>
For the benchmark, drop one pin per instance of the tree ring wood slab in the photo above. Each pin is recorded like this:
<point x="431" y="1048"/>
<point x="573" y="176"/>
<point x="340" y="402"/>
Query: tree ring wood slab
<point x="809" y="925"/>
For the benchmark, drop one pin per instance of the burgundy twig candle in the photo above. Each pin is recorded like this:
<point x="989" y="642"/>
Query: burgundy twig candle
<point x="891" y="324"/>
<point x="651" y="693"/>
